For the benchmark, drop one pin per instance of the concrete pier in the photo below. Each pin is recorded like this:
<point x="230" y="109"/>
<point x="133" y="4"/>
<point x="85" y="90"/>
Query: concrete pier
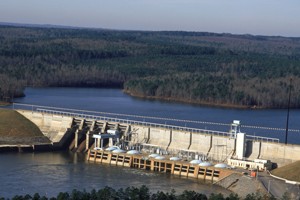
<point x="18" y="148"/>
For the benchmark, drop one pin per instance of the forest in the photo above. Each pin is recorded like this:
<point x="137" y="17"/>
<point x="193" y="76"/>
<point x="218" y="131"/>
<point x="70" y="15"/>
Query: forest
<point x="194" y="67"/>
<point x="142" y="193"/>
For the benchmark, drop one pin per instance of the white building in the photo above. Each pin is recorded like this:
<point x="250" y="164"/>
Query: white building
<point x="259" y="164"/>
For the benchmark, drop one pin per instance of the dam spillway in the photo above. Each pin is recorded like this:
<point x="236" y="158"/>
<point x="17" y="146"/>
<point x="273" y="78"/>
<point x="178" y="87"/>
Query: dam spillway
<point x="152" y="137"/>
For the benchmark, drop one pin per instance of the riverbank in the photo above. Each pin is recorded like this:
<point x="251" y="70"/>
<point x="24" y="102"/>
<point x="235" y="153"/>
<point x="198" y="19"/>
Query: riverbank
<point x="191" y="102"/>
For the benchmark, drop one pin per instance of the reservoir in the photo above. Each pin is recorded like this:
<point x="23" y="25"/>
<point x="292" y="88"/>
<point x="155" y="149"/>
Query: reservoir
<point x="266" y="122"/>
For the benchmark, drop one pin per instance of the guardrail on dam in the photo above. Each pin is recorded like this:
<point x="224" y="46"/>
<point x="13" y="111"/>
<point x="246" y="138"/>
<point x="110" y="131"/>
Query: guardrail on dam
<point x="55" y="123"/>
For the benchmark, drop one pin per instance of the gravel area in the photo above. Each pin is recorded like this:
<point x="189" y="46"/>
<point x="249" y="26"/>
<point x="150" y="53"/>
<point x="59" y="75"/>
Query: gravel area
<point x="242" y="185"/>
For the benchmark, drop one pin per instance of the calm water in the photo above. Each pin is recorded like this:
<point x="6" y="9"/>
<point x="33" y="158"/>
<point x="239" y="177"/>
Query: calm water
<point x="51" y="173"/>
<point x="114" y="101"/>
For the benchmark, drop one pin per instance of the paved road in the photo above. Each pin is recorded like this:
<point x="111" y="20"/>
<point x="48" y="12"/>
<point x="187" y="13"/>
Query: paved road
<point x="278" y="187"/>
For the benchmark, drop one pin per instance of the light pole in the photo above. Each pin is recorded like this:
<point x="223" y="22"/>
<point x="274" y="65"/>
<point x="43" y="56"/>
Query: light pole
<point x="288" y="112"/>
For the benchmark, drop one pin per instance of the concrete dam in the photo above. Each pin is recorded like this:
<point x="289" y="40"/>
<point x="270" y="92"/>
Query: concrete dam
<point x="83" y="132"/>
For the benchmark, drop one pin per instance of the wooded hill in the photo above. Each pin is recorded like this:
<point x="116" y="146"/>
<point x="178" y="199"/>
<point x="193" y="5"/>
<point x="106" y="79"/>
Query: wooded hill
<point x="196" y="67"/>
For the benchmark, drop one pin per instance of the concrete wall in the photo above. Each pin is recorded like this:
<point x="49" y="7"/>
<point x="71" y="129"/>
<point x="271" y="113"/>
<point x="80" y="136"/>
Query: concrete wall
<point x="215" y="147"/>
<point x="139" y="134"/>
<point x="222" y="148"/>
<point x="180" y="140"/>
<point x="52" y="126"/>
<point x="253" y="149"/>
<point x="160" y="137"/>
<point x="280" y="153"/>
<point x="201" y="143"/>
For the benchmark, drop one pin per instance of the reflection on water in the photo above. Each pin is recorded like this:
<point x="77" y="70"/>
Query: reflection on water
<point x="54" y="172"/>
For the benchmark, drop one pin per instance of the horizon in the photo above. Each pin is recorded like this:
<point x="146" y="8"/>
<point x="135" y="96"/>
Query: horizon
<point x="264" y="18"/>
<point x="58" y="26"/>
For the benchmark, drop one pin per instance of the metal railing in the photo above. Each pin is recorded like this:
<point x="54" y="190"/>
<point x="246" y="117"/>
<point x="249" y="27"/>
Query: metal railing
<point x="132" y="122"/>
<point x="85" y="114"/>
<point x="262" y="139"/>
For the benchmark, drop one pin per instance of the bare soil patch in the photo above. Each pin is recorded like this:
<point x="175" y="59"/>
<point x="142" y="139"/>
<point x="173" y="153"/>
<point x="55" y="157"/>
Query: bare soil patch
<point x="16" y="129"/>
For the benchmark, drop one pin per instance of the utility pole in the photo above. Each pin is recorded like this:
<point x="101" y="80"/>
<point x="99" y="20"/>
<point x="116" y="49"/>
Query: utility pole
<point x="288" y="112"/>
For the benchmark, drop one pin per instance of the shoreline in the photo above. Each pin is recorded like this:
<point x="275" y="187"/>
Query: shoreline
<point x="173" y="100"/>
<point x="191" y="102"/>
<point x="4" y="103"/>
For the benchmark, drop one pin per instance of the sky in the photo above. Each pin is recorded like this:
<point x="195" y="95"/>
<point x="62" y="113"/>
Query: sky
<point x="256" y="17"/>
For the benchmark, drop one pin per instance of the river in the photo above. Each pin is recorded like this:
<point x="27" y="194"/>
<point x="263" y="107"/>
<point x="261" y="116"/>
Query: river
<point x="49" y="173"/>
<point x="53" y="172"/>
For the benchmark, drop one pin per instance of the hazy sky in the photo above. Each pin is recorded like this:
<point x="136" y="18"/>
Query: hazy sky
<point x="259" y="17"/>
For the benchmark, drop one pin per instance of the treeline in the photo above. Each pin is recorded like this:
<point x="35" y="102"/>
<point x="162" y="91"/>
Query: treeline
<point x="10" y="87"/>
<point x="141" y="193"/>
<point x="206" y="68"/>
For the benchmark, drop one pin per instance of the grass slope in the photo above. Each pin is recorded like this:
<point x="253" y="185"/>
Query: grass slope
<point x="290" y="172"/>
<point x="16" y="129"/>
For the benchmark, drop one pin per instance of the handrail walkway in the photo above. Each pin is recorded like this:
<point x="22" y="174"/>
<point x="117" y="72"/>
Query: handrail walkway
<point x="86" y="115"/>
<point x="133" y="122"/>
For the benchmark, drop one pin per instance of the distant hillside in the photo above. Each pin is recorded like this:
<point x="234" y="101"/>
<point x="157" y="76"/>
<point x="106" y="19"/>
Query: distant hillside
<point x="193" y="67"/>
<point x="11" y="24"/>
<point x="290" y="172"/>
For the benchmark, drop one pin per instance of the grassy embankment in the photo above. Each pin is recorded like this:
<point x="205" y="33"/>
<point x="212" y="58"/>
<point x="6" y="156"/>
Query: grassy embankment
<point x="16" y="129"/>
<point x="290" y="172"/>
